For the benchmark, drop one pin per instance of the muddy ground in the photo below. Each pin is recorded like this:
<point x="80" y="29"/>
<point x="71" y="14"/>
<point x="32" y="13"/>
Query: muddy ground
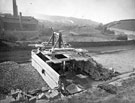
<point x="21" y="76"/>
<point x="25" y="77"/>
<point x="125" y="94"/>
<point x="122" y="61"/>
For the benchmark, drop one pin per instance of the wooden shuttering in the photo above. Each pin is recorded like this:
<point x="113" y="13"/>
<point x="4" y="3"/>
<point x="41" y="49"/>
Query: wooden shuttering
<point x="50" y="76"/>
<point x="68" y="56"/>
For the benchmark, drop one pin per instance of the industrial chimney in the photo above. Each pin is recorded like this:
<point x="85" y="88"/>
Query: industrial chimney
<point x="20" y="20"/>
<point x="15" y="9"/>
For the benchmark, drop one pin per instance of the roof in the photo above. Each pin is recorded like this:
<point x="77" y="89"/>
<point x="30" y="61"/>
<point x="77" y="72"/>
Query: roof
<point x="13" y="19"/>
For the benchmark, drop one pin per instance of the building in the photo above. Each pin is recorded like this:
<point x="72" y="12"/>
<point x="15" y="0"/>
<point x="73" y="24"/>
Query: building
<point x="17" y="22"/>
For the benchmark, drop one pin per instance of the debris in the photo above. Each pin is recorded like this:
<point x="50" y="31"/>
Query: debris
<point x="72" y="88"/>
<point x="108" y="88"/>
<point x="35" y="92"/>
<point x="52" y="94"/>
<point x="116" y="83"/>
<point x="20" y="97"/>
<point x="44" y="89"/>
<point x="96" y="71"/>
<point x="42" y="96"/>
<point x="82" y="76"/>
<point x="15" y="95"/>
<point x="32" y="100"/>
<point x="4" y="91"/>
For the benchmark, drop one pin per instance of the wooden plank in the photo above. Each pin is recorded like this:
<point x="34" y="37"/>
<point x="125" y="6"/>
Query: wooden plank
<point x="50" y="76"/>
<point x="47" y="68"/>
<point x="51" y="83"/>
<point x="54" y="75"/>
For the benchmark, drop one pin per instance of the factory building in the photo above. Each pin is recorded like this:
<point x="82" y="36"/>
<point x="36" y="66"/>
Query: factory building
<point x="17" y="22"/>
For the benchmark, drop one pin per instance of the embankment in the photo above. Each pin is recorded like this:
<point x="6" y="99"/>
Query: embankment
<point x="19" y="76"/>
<point x="23" y="45"/>
<point x="102" y="43"/>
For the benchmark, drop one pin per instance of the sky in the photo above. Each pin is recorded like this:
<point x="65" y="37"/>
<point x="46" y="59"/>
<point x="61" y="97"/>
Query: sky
<point x="103" y="11"/>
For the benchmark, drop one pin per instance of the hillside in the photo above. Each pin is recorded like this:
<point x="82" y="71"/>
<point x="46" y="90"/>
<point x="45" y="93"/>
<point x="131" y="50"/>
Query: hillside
<point x="67" y="24"/>
<point x="70" y="27"/>
<point x="68" y="21"/>
<point x="128" y="24"/>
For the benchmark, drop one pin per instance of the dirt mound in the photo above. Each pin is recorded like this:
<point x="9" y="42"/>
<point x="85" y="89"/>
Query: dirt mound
<point x="95" y="70"/>
<point x="15" y="76"/>
<point x="98" y="72"/>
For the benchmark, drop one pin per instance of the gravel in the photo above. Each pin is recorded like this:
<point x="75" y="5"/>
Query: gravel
<point x="16" y="76"/>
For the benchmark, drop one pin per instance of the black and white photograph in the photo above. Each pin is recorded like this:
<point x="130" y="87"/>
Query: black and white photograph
<point x="67" y="51"/>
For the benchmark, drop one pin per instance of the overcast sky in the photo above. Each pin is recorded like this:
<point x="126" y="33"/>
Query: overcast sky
<point x="98" y="10"/>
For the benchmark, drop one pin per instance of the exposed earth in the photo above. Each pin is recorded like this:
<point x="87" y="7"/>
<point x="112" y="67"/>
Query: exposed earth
<point x="25" y="77"/>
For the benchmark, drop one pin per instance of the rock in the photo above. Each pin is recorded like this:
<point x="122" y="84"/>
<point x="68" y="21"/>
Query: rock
<point x="20" y="97"/>
<point x="52" y="94"/>
<point x="97" y="71"/>
<point x="4" y="90"/>
<point x="15" y="95"/>
<point x="42" y="96"/>
<point x="32" y="100"/>
<point x="44" y="89"/>
<point x="108" y="88"/>
<point x="116" y="83"/>
<point x="35" y="92"/>
<point x="72" y="88"/>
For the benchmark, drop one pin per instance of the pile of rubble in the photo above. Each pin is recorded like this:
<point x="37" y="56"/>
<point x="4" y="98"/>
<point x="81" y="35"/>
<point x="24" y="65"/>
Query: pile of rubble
<point x="19" y="96"/>
<point x="96" y="70"/>
<point x="108" y="88"/>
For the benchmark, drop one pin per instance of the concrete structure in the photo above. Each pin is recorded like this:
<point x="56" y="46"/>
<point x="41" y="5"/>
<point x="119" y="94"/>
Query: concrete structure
<point x="52" y="63"/>
<point x="64" y="67"/>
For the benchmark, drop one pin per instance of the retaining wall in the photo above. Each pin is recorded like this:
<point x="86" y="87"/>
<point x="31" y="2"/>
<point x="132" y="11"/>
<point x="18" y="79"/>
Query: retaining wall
<point x="102" y="43"/>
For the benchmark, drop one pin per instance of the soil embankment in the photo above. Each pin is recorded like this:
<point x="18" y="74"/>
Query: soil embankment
<point x="125" y="94"/>
<point x="25" y="77"/>
<point x="7" y="45"/>
<point x="102" y="43"/>
<point x="16" y="76"/>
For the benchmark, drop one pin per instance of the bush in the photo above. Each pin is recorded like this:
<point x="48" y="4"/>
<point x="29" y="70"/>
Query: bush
<point x="122" y="37"/>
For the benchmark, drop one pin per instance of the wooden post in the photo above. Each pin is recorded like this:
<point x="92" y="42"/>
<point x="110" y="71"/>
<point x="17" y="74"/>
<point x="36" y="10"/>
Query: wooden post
<point x="53" y="38"/>
<point x="60" y="39"/>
